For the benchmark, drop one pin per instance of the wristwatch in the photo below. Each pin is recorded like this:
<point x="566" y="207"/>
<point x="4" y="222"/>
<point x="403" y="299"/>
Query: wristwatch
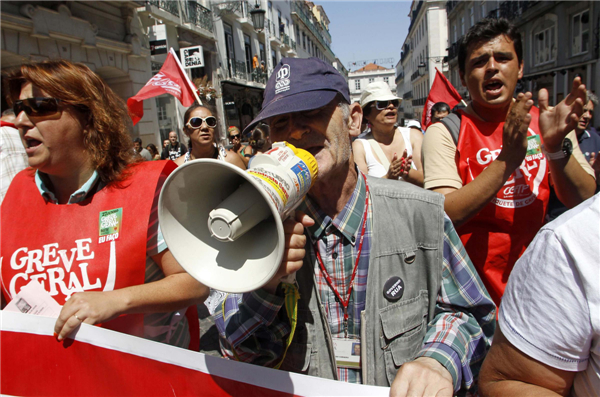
<point x="565" y="152"/>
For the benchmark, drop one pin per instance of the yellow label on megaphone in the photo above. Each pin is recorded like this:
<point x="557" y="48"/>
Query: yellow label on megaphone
<point x="286" y="173"/>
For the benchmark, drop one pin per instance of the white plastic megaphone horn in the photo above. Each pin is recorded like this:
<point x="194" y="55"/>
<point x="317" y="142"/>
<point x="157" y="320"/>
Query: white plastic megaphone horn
<point x="225" y="226"/>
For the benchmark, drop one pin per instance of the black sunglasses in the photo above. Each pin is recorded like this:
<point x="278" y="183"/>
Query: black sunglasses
<point x="196" y="122"/>
<point x="232" y="137"/>
<point x="36" y="107"/>
<point x="380" y="105"/>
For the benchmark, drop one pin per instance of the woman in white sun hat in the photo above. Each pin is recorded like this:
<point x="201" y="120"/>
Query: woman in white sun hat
<point x="387" y="151"/>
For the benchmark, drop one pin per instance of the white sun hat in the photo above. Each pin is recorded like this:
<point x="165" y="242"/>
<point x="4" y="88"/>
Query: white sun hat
<point x="377" y="91"/>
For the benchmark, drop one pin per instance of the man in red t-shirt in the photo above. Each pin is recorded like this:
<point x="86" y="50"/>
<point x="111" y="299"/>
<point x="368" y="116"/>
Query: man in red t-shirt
<point x="494" y="174"/>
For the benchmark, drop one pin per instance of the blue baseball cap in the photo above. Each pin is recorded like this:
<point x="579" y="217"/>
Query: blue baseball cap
<point x="300" y="85"/>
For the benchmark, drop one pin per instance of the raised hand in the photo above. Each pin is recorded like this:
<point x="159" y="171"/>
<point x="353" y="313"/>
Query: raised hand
<point x="556" y="122"/>
<point x="514" y="135"/>
<point x="395" y="170"/>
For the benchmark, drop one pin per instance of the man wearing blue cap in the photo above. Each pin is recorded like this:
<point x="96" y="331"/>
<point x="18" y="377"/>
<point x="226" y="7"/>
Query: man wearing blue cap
<point x="384" y="267"/>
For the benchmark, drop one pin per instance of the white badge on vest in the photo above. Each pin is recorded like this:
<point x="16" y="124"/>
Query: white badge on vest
<point x="347" y="352"/>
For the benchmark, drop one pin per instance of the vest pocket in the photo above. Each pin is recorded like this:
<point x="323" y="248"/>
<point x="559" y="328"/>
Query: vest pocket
<point x="403" y="327"/>
<point x="297" y="358"/>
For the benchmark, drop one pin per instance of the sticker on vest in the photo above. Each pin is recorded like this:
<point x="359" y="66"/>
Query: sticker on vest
<point x="109" y="227"/>
<point x="534" y="145"/>
<point x="393" y="289"/>
<point x="347" y="352"/>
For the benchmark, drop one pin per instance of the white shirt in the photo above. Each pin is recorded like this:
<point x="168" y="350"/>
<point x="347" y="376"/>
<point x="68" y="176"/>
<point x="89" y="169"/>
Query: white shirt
<point x="12" y="157"/>
<point x="374" y="167"/>
<point x="551" y="307"/>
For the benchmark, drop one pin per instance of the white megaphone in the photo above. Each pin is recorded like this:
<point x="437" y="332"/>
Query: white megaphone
<point x="225" y="226"/>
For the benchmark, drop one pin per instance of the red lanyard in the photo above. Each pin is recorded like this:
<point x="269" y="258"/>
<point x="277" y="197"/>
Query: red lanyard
<point x="346" y="302"/>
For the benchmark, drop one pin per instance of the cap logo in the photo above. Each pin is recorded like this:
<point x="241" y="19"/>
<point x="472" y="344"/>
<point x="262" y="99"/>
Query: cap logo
<point x="282" y="82"/>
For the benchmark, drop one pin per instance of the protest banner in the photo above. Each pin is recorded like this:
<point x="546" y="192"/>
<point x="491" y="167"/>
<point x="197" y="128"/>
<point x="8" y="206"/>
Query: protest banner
<point x="102" y="362"/>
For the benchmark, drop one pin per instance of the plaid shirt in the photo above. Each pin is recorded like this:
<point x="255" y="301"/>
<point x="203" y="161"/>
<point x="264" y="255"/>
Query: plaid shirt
<point x="12" y="156"/>
<point x="457" y="337"/>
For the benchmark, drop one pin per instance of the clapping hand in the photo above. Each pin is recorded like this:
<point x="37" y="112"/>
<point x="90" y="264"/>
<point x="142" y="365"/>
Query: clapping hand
<point x="556" y="122"/>
<point x="399" y="167"/>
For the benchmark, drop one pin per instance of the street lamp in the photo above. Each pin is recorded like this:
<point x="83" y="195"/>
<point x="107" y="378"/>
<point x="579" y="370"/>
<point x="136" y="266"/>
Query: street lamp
<point x="422" y="68"/>
<point x="261" y="23"/>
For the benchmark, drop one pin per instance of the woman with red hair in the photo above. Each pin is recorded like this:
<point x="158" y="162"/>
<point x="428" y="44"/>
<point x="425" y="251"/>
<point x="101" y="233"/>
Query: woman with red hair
<point x="82" y="220"/>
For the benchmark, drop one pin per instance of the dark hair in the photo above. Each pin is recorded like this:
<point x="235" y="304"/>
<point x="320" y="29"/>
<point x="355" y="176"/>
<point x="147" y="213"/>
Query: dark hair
<point x="152" y="148"/>
<point x="259" y="136"/>
<point x="106" y="138"/>
<point x="138" y="140"/>
<point x="188" y="115"/>
<point x="484" y="31"/>
<point x="440" y="107"/>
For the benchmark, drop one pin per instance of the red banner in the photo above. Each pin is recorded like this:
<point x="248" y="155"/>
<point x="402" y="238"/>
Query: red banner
<point x="100" y="362"/>
<point x="441" y="91"/>
<point x="171" y="79"/>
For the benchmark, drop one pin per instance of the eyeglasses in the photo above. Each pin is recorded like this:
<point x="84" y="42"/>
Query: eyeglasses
<point x="36" y="107"/>
<point x="232" y="137"/>
<point x="196" y="122"/>
<point x="380" y="105"/>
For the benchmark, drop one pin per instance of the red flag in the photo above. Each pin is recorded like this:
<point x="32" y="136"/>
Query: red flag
<point x="171" y="79"/>
<point x="441" y="91"/>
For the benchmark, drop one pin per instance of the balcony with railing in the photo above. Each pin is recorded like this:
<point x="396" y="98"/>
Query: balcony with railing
<point x="414" y="15"/>
<point x="512" y="10"/>
<point x="165" y="5"/>
<point x="407" y="95"/>
<point x="419" y="102"/>
<point x="239" y="70"/>
<point x="415" y="76"/>
<point x="453" y="50"/>
<point x="198" y="15"/>
<point x="297" y="9"/>
<point x="399" y="77"/>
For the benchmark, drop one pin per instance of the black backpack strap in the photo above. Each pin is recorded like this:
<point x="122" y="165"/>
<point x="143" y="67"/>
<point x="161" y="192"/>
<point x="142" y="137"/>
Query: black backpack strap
<point x="452" y="123"/>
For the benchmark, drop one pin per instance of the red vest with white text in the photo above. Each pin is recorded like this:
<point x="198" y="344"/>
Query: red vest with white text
<point x="98" y="244"/>
<point x="497" y="236"/>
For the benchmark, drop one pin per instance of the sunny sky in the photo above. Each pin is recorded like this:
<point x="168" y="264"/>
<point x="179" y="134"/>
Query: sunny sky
<point x="367" y="30"/>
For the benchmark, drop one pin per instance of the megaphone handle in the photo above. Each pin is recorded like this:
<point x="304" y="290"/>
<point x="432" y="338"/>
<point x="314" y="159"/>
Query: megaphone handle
<point x="289" y="279"/>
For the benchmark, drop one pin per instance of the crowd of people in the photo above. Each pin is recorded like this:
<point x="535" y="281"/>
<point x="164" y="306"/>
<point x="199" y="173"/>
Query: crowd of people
<point x="461" y="260"/>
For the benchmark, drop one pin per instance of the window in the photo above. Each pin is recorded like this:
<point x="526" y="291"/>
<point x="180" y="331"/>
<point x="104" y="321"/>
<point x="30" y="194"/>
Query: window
<point x="462" y="26"/>
<point x="263" y="57"/>
<point x="455" y="32"/>
<point x="273" y="55"/>
<point x="472" y="16"/>
<point x="544" y="46"/>
<point x="248" y="51"/>
<point x="229" y="48"/>
<point x="482" y="10"/>
<point x="386" y="80"/>
<point x="162" y="112"/>
<point x="371" y="80"/>
<point x="303" y="40"/>
<point x="357" y="85"/>
<point x="581" y="32"/>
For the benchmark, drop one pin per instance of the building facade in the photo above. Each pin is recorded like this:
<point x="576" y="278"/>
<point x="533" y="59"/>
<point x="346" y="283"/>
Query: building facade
<point x="126" y="43"/>
<point x="311" y="30"/>
<point x="425" y="45"/>
<point x="560" y="41"/>
<point x="108" y="37"/>
<point x="359" y="79"/>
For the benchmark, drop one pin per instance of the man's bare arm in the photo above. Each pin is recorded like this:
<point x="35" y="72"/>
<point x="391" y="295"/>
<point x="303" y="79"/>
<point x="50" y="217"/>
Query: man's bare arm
<point x="507" y="371"/>
<point x="464" y="203"/>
